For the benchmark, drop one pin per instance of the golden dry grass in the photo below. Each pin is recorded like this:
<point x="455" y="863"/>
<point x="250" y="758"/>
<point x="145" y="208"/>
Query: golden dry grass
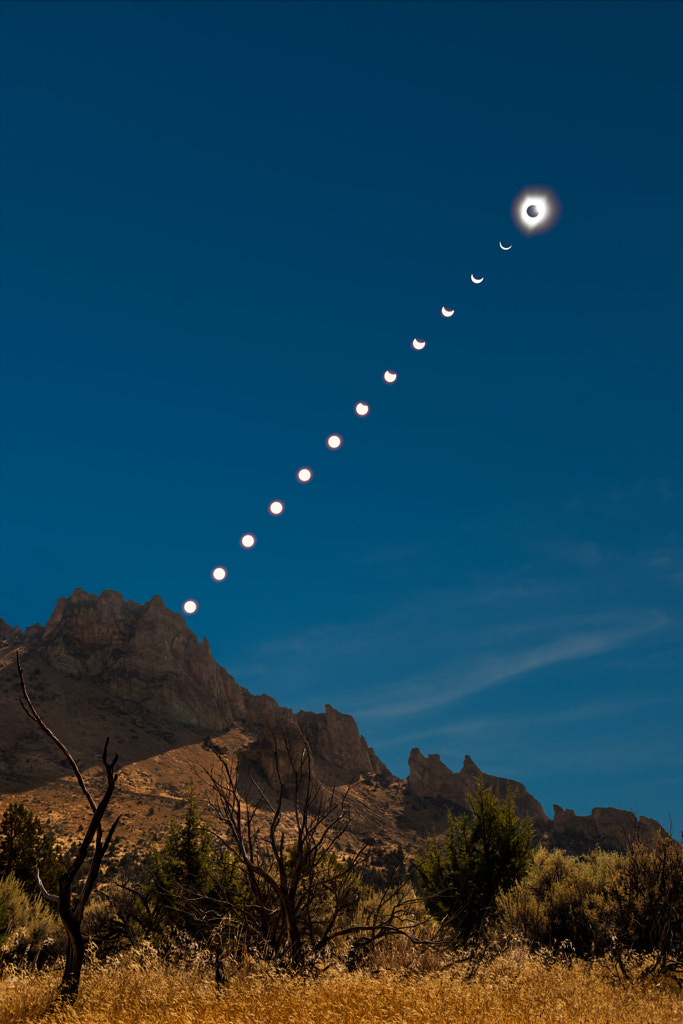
<point x="514" y="989"/>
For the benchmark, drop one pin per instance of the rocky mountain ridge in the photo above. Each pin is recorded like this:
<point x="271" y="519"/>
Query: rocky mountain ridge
<point x="103" y="666"/>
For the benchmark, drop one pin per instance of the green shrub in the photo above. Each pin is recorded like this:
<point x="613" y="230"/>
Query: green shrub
<point x="25" y="844"/>
<point x="646" y="900"/>
<point x="28" y="927"/>
<point x="562" y="902"/>
<point x="194" y="886"/>
<point x="461" y="876"/>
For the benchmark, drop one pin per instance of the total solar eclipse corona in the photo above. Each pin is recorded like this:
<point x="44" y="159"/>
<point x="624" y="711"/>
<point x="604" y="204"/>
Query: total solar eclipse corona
<point x="535" y="210"/>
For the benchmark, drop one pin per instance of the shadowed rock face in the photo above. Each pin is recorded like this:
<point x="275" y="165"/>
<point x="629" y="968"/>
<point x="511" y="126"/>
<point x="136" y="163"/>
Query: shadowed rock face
<point x="103" y="652"/>
<point x="333" y="732"/>
<point x="607" y="827"/>
<point x="430" y="779"/>
<point x="339" y="755"/>
<point x="144" y="653"/>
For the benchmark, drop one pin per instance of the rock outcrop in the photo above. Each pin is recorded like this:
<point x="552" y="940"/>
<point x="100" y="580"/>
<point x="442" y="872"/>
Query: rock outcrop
<point x="143" y="653"/>
<point x="338" y="747"/>
<point x="607" y="827"/>
<point x="101" y="650"/>
<point x="339" y="755"/>
<point x="430" y="779"/>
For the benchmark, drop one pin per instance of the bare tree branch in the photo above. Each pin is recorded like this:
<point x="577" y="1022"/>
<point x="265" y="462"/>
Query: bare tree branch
<point x="303" y="893"/>
<point x="70" y="914"/>
<point x="34" y="716"/>
<point x="46" y="894"/>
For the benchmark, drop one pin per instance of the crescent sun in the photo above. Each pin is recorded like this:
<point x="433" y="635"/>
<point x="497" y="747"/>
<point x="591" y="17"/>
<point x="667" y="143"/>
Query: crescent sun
<point x="447" y="312"/>
<point x="504" y="247"/>
<point x="476" y="280"/>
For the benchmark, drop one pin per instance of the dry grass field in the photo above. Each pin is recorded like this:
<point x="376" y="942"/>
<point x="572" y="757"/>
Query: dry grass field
<point x="514" y="989"/>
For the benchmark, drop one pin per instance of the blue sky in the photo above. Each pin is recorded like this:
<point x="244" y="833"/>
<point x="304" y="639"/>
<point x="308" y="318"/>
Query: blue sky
<point x="221" y="222"/>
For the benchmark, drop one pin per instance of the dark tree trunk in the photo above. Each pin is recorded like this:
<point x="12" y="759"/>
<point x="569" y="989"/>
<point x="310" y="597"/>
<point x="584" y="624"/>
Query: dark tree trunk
<point x="75" y="952"/>
<point x="68" y="988"/>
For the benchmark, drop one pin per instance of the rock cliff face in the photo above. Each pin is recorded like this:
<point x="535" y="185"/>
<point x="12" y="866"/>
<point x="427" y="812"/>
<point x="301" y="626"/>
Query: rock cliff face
<point x="335" y="742"/>
<point x="102" y="650"/>
<point x="430" y="779"/>
<point x="339" y="755"/>
<point x="607" y="827"/>
<point x="144" y="653"/>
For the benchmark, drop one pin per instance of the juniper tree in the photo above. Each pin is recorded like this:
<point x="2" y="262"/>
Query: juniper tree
<point x="195" y="884"/>
<point x="481" y="855"/>
<point x="25" y="845"/>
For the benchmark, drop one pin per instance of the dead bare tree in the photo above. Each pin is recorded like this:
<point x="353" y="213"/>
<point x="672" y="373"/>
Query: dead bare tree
<point x="303" y="895"/>
<point x="70" y="906"/>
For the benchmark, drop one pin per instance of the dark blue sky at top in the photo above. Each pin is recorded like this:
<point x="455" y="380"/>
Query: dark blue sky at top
<point x="221" y="222"/>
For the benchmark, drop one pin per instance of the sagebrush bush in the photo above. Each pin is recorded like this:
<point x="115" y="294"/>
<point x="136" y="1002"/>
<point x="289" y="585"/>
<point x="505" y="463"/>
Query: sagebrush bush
<point x="562" y="902"/>
<point x="28" y="927"/>
<point x="646" y="901"/>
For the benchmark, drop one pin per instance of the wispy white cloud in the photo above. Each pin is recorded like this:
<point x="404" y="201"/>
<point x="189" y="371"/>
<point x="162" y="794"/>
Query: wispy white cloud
<point x="609" y="564"/>
<point x="447" y="643"/>
<point x="436" y="616"/>
<point x="462" y="676"/>
<point x="584" y="554"/>
<point x="610" y="708"/>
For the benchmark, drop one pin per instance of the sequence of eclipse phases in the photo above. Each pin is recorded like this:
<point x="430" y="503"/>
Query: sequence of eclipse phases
<point x="534" y="211"/>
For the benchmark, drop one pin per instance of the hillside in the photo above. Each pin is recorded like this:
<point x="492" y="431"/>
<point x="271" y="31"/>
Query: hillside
<point x="103" y="666"/>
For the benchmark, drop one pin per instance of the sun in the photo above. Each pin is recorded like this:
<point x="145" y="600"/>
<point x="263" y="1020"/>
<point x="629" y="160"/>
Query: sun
<point x="535" y="210"/>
